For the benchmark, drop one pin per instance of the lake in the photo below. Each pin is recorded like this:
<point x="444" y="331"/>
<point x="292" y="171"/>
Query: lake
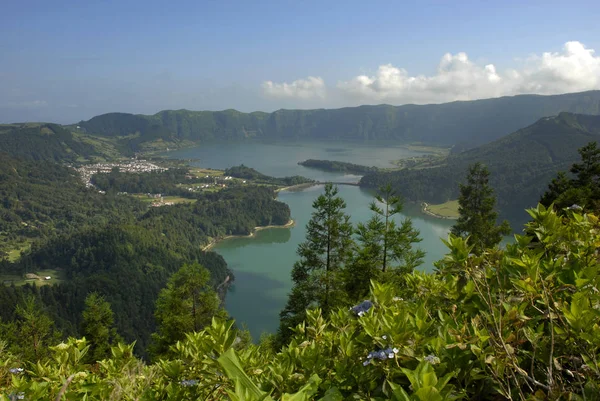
<point x="262" y="263"/>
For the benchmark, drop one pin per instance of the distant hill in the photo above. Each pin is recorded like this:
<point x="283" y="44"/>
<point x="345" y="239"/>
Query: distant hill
<point x="465" y="124"/>
<point x="48" y="142"/>
<point x="522" y="164"/>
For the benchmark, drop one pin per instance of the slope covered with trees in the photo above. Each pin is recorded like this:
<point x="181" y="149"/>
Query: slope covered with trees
<point x="465" y="124"/>
<point x="510" y="331"/>
<point x="521" y="164"/>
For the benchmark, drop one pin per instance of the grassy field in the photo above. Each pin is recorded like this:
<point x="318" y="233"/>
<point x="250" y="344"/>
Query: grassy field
<point x="37" y="277"/>
<point x="174" y="199"/>
<point x="201" y="172"/>
<point x="448" y="209"/>
<point x="15" y="254"/>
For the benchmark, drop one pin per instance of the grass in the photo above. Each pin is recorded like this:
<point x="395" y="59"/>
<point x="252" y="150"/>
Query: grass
<point x="174" y="199"/>
<point x="201" y="172"/>
<point x="447" y="209"/>
<point x="19" y="280"/>
<point x="15" y="254"/>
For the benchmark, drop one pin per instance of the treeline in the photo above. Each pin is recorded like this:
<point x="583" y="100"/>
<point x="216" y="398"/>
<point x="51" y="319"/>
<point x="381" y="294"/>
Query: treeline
<point x="249" y="173"/>
<point x="521" y="165"/>
<point x="328" y="165"/>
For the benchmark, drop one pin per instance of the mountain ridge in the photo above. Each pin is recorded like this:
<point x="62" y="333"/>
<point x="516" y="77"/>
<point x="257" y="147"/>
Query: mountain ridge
<point x="461" y="123"/>
<point x="521" y="164"/>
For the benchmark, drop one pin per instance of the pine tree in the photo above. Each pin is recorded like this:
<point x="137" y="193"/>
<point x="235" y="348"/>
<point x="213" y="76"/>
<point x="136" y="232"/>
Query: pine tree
<point x="316" y="275"/>
<point x="386" y="248"/>
<point x="187" y="304"/>
<point x="584" y="189"/>
<point x="35" y="330"/>
<point x="97" y="327"/>
<point x="477" y="214"/>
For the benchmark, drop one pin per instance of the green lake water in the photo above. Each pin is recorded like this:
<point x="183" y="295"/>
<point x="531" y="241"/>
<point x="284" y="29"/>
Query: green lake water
<point x="262" y="263"/>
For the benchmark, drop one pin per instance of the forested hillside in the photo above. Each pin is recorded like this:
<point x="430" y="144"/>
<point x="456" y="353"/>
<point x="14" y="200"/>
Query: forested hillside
<point x="49" y="142"/>
<point x="41" y="199"/>
<point x="465" y="124"/>
<point x="114" y="245"/>
<point x="521" y="164"/>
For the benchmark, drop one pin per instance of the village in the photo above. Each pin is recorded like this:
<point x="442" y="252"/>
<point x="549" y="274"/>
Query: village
<point x="86" y="171"/>
<point x="213" y="181"/>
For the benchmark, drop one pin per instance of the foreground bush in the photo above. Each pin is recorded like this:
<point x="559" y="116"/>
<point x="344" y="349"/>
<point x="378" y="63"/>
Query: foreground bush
<point x="520" y="323"/>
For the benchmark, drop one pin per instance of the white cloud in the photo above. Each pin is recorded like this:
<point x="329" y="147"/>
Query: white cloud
<point x="309" y="88"/>
<point x="575" y="68"/>
<point x="458" y="78"/>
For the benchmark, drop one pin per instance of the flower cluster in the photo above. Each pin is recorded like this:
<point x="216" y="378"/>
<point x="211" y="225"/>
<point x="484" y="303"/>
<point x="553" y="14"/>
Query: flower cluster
<point x="362" y="307"/>
<point x="189" y="383"/>
<point x="15" y="371"/>
<point x="432" y="359"/>
<point x="382" y="355"/>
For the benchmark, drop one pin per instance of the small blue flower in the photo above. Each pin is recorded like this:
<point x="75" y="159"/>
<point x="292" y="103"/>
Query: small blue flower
<point x="15" y="371"/>
<point x="432" y="359"/>
<point x="365" y="363"/>
<point x="574" y="206"/>
<point x="188" y="383"/>
<point x="362" y="307"/>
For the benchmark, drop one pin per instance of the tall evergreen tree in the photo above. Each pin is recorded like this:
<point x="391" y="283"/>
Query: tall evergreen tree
<point x="316" y="275"/>
<point x="477" y="211"/>
<point x="187" y="304"/>
<point x="31" y="333"/>
<point x="97" y="327"/>
<point x="582" y="190"/>
<point x="386" y="247"/>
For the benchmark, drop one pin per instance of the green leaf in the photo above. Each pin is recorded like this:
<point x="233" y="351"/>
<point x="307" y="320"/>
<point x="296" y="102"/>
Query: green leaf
<point x="305" y="392"/>
<point x="245" y="388"/>
<point x="333" y="394"/>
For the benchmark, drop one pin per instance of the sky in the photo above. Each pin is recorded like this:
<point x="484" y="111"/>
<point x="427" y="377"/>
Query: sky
<point x="67" y="61"/>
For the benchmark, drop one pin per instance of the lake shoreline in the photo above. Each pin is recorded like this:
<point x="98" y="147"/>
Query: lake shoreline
<point x="214" y="242"/>
<point x="424" y="210"/>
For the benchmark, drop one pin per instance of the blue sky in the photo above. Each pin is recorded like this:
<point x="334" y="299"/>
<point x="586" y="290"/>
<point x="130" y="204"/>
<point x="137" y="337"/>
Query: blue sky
<point x="65" y="61"/>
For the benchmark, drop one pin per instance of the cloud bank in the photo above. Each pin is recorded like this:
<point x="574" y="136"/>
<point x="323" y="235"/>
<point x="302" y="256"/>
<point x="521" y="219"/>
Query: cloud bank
<point x="575" y="68"/>
<point x="309" y="88"/>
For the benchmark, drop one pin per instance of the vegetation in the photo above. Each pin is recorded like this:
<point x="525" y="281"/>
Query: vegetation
<point x="512" y="332"/>
<point x="581" y="191"/>
<point x="384" y="248"/>
<point x="317" y="275"/>
<point x="521" y="164"/>
<point x="188" y="303"/>
<point x="447" y="209"/>
<point x="476" y="208"/>
<point x="456" y="123"/>
<point x="328" y="165"/>
<point x="39" y="200"/>
<point x="249" y="173"/>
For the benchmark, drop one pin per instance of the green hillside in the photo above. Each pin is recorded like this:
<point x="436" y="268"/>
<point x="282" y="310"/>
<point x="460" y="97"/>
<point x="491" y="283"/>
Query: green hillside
<point x="465" y="124"/>
<point x="521" y="164"/>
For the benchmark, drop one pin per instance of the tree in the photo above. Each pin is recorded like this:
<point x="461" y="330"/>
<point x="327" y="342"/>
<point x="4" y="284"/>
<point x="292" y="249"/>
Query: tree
<point x="386" y="247"/>
<point x="477" y="214"/>
<point x="97" y="327"/>
<point x="187" y="304"/>
<point x="33" y="331"/>
<point x="327" y="248"/>
<point x="582" y="190"/>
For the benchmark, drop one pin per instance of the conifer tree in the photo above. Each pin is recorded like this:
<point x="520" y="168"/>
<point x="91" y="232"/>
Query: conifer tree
<point x="477" y="211"/>
<point x="386" y="247"/>
<point x="187" y="304"/>
<point x="584" y="189"/>
<point x="98" y="327"/>
<point x="316" y="276"/>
